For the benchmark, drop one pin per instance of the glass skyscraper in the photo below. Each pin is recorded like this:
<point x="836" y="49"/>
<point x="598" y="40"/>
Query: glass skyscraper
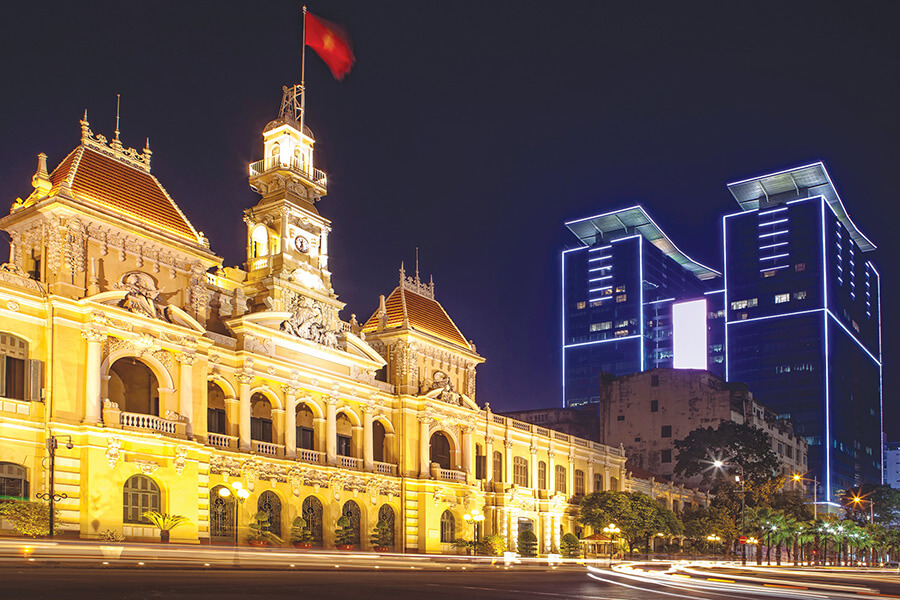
<point x="795" y="314"/>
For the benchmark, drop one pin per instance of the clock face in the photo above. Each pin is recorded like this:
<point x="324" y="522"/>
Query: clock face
<point x="301" y="244"/>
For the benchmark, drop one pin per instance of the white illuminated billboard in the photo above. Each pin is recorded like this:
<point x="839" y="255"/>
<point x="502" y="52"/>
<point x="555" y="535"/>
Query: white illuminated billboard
<point x="689" y="334"/>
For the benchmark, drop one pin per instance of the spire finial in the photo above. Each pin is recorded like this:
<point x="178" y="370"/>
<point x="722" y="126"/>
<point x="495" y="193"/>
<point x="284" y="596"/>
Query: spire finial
<point x="417" y="265"/>
<point x="86" y="133"/>
<point x="118" y="97"/>
<point x="402" y="273"/>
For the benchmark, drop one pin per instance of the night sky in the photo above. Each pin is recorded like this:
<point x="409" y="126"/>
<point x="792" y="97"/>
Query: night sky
<point x="474" y="130"/>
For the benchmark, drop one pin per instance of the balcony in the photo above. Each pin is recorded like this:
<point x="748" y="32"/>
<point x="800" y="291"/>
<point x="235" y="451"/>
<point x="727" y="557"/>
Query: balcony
<point x="310" y="456"/>
<point x="222" y="441"/>
<point x="348" y="462"/>
<point x="385" y="468"/>
<point x="151" y="423"/>
<point x="266" y="448"/>
<point x="450" y="475"/>
<point x="289" y="163"/>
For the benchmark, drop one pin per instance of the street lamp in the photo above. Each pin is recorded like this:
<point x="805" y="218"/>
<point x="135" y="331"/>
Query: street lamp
<point x="242" y="494"/>
<point x="476" y="518"/>
<point x="815" y="481"/>
<point x="714" y="539"/>
<point x="720" y="464"/>
<point x="858" y="499"/>
<point x="611" y="530"/>
<point x="51" y="496"/>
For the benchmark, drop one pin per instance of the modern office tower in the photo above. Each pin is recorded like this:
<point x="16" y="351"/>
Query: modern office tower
<point x="633" y="301"/>
<point x="803" y="319"/>
<point x="892" y="464"/>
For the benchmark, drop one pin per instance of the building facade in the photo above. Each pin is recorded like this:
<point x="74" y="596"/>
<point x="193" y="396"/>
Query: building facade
<point x="803" y="317"/>
<point x="646" y="413"/>
<point x="892" y="465"/>
<point x="796" y="315"/>
<point x="175" y="378"/>
<point x="624" y="311"/>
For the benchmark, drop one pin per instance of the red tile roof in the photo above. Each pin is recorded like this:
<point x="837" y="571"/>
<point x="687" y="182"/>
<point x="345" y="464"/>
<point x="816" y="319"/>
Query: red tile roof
<point x="422" y="313"/>
<point x="130" y="191"/>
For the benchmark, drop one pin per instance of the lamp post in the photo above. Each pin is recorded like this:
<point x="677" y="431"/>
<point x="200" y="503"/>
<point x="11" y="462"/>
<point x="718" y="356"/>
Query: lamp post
<point x="714" y="539"/>
<point x="611" y="530"/>
<point x="720" y="464"/>
<point x="475" y="518"/>
<point x="859" y="499"/>
<point x="815" y="481"/>
<point x="242" y="494"/>
<point x="51" y="496"/>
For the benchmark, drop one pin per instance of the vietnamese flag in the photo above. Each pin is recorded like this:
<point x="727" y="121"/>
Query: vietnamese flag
<point x="331" y="44"/>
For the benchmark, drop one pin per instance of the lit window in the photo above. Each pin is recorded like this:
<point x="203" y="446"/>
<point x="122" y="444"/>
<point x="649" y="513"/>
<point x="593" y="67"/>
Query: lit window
<point x="560" y="479"/>
<point x="579" y="482"/>
<point x="782" y="298"/>
<point x="520" y="471"/>
<point x="800" y="295"/>
<point x="622" y="333"/>
<point x="580" y="305"/>
<point x="621" y="298"/>
<point x="769" y="273"/>
<point x="601" y="326"/>
<point x="620" y="289"/>
<point x="800" y="267"/>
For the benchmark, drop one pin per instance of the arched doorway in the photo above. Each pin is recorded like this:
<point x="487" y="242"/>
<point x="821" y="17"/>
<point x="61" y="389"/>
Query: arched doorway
<point x="378" y="439"/>
<point x="270" y="504"/>
<point x="440" y="450"/>
<point x="386" y="514"/>
<point x="312" y="514"/>
<point x="260" y="418"/>
<point x="352" y="512"/>
<point x="221" y="516"/>
<point x="134" y="387"/>
<point x="216" y="418"/>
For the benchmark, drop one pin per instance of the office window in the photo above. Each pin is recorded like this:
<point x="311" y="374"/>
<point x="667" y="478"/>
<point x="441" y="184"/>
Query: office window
<point x="782" y="298"/>
<point x="666" y="431"/>
<point x="801" y="295"/>
<point x="622" y="298"/>
<point x="580" y="305"/>
<point x="654" y="406"/>
<point x="665" y="456"/>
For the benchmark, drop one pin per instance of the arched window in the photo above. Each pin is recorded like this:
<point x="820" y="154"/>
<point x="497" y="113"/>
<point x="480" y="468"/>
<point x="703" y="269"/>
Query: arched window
<point x="351" y="511"/>
<point x="221" y="516"/>
<point x="542" y="475"/>
<point x="259" y="241"/>
<point x="520" y="471"/>
<point x="448" y="527"/>
<point x="133" y="386"/>
<point x="560" y="479"/>
<point x="440" y="450"/>
<point x="276" y="149"/>
<point x="140" y="494"/>
<point x="386" y="514"/>
<point x="579" y="482"/>
<point x="13" y="366"/>
<point x="306" y="437"/>
<point x="260" y="418"/>
<point x="270" y="504"/>
<point x="312" y="514"/>
<point x="378" y="438"/>
<point x="498" y="465"/>
<point x="216" y="421"/>
<point x="13" y="481"/>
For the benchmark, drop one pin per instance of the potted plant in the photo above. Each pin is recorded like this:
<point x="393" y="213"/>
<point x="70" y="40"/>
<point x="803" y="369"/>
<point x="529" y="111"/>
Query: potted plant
<point x="382" y="537"/>
<point x="301" y="536"/>
<point x="261" y="536"/>
<point x="463" y="546"/>
<point x="344" y="534"/>
<point x="165" y="523"/>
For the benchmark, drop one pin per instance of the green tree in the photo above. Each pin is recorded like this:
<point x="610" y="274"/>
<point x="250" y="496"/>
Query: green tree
<point x="527" y="543"/>
<point x="702" y="522"/>
<point x="570" y="545"/>
<point x="744" y="445"/>
<point x="638" y="516"/>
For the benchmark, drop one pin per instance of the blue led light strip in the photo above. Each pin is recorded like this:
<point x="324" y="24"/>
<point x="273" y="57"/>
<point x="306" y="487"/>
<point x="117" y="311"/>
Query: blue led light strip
<point x="771" y="233"/>
<point x="621" y="339"/>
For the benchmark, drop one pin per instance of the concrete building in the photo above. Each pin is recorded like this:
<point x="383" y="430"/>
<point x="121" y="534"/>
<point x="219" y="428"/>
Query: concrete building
<point x="892" y="464"/>
<point x="175" y="379"/>
<point x="647" y="412"/>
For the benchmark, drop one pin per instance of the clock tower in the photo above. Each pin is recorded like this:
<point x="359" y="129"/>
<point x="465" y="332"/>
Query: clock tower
<point x="287" y="239"/>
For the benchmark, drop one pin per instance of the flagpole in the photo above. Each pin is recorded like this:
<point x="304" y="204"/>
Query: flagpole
<point x="303" y="74"/>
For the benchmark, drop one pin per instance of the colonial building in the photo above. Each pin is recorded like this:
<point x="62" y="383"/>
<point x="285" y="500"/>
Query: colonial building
<point x="177" y="379"/>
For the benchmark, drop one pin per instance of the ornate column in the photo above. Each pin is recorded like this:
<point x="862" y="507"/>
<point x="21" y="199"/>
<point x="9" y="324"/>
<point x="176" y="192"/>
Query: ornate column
<point x="244" y="380"/>
<point x="330" y="430"/>
<point x="467" y="451"/>
<point x="93" y="405"/>
<point x="290" y="421"/>
<point x="606" y="481"/>
<point x="551" y="472"/>
<point x="424" y="449"/>
<point x="589" y="484"/>
<point x="186" y="388"/>
<point x="368" y="442"/>
<point x="508" y="461"/>
<point x="547" y="522"/>
<point x="488" y="458"/>
<point x="533" y="474"/>
<point x="570" y="476"/>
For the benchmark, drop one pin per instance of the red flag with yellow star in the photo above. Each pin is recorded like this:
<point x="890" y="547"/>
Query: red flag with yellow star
<point x="331" y="43"/>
